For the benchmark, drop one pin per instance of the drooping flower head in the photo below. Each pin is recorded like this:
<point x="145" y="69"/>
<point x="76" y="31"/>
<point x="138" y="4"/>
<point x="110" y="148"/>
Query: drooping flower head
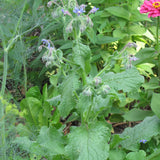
<point x="152" y="7"/>
<point x="66" y="12"/>
<point x="46" y="42"/>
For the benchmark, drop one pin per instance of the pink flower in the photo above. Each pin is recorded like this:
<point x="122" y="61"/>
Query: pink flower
<point x="151" y="6"/>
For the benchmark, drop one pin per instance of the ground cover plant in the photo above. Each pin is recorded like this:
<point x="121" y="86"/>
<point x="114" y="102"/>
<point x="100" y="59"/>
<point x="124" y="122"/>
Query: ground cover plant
<point x="79" y="80"/>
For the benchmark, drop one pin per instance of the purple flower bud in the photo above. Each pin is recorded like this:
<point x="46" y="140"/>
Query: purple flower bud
<point x="87" y="92"/>
<point x="106" y="88"/>
<point x="39" y="48"/>
<point x="48" y="63"/>
<point x="44" y="58"/>
<point x="78" y="10"/>
<point x="49" y="4"/>
<point x="83" y="6"/>
<point x="69" y="28"/>
<point x="97" y="80"/>
<point x="143" y="141"/>
<point x="129" y="45"/>
<point x="65" y="12"/>
<point x="82" y="28"/>
<point x="89" y="21"/>
<point x="133" y="58"/>
<point x="93" y="10"/>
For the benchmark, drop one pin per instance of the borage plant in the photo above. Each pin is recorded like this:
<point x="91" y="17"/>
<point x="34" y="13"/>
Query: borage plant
<point x="80" y="97"/>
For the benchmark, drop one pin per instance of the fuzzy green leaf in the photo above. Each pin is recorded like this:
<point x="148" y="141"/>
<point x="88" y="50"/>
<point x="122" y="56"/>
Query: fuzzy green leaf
<point x="51" y="140"/>
<point x="145" y="130"/>
<point x="119" y="12"/>
<point x="88" y="142"/>
<point x="113" y="154"/>
<point x="137" y="114"/>
<point x="84" y="104"/>
<point x="155" y="104"/>
<point x="127" y="81"/>
<point x="105" y="39"/>
<point x="68" y="101"/>
<point x="140" y="155"/>
<point x="31" y="108"/>
<point x="34" y="92"/>
<point x="81" y="56"/>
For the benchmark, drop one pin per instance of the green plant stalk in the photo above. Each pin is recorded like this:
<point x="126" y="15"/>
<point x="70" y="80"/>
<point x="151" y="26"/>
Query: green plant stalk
<point x="84" y="78"/>
<point x="5" y="67"/>
<point x="2" y="121"/>
<point x="25" y="76"/>
<point x="105" y="68"/>
<point x="2" y="107"/>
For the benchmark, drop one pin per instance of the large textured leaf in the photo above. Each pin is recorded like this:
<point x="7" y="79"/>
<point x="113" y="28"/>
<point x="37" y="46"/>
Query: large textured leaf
<point x="51" y="140"/>
<point x="34" y="92"/>
<point x="88" y="142"/>
<point x="105" y="39"/>
<point x="154" y="156"/>
<point x="136" y="29"/>
<point x="145" y="55"/>
<point x="91" y="110"/>
<point x="155" y="104"/>
<point x="137" y="114"/>
<point x="127" y="81"/>
<point x="119" y="12"/>
<point x="140" y="155"/>
<point x="84" y="104"/>
<point x="113" y="154"/>
<point x="31" y="108"/>
<point x="68" y="102"/>
<point x="81" y="56"/>
<point x="145" y="130"/>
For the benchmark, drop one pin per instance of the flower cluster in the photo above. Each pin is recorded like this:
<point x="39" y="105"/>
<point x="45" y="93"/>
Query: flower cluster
<point x="83" y="20"/>
<point x="96" y="86"/>
<point x="51" y="56"/>
<point x="152" y="7"/>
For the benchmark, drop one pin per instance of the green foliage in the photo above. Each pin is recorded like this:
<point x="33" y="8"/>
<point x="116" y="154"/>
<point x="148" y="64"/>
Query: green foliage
<point x="68" y="101"/>
<point x="141" y="155"/>
<point x="146" y="130"/>
<point x="155" y="103"/>
<point x="137" y="115"/>
<point x="35" y="108"/>
<point x="49" y="143"/>
<point x="100" y="76"/>
<point x="127" y="81"/>
<point x="87" y="142"/>
<point x="81" y="56"/>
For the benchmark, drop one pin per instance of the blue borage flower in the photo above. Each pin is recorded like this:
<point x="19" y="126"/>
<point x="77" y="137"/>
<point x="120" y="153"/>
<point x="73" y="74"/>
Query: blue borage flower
<point x="46" y="42"/>
<point x="79" y="10"/>
<point x="143" y="141"/>
<point x="93" y="10"/>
